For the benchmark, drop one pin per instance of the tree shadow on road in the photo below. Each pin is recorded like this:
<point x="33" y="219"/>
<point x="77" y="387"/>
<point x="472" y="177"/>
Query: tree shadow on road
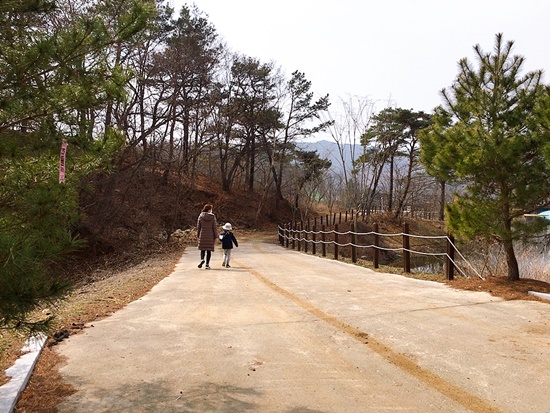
<point x="212" y="397"/>
<point x="161" y="397"/>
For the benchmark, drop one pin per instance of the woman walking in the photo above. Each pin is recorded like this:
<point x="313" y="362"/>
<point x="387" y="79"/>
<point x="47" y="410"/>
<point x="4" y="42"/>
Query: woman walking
<point x="207" y="233"/>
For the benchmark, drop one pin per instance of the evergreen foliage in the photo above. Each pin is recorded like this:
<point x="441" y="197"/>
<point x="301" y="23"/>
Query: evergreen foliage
<point x="55" y="75"/>
<point x="489" y="135"/>
<point x="393" y="134"/>
<point x="301" y="119"/>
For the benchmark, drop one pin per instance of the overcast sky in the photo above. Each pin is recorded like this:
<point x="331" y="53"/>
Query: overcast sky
<point x="403" y="51"/>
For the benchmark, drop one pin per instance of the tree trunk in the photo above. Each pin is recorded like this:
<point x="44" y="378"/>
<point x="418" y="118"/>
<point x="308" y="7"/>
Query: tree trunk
<point x="390" y="191"/>
<point x="373" y="186"/>
<point x="401" y="205"/>
<point x="186" y="138"/>
<point x="511" y="260"/>
<point x="278" y="188"/>
<point x="507" y="235"/>
<point x="168" y="163"/>
<point x="442" y="201"/>
<point x="252" y="164"/>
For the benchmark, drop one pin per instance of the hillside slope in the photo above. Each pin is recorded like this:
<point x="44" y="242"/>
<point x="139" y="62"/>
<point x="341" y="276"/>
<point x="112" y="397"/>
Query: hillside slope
<point x="138" y="208"/>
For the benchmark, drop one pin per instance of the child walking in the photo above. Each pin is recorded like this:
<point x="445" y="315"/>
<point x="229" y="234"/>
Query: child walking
<point x="228" y="239"/>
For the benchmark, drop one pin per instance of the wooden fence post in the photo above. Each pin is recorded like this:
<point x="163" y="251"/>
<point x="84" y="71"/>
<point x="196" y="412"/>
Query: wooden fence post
<point x="314" y="238"/>
<point x="323" y="241"/>
<point x="406" y="248"/>
<point x="287" y="234"/>
<point x="450" y="267"/>
<point x="300" y="236"/>
<point x="305" y="237"/>
<point x="335" y="241"/>
<point x="353" y="242"/>
<point x="376" y="245"/>
<point x="294" y="235"/>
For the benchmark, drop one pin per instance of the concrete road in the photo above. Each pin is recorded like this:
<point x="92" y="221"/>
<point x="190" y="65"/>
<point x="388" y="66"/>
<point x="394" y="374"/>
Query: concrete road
<point x="286" y="332"/>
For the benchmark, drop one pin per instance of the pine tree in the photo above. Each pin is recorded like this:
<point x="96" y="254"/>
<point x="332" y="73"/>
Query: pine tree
<point x="55" y="79"/>
<point x="489" y="135"/>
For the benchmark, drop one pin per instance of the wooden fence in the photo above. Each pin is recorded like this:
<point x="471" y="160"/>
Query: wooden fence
<point x="332" y="234"/>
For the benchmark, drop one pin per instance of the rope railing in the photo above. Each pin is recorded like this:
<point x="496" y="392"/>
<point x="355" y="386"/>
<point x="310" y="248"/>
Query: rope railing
<point x="397" y="234"/>
<point x="296" y="237"/>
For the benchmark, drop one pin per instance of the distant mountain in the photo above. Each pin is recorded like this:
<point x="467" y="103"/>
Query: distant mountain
<point x="329" y="150"/>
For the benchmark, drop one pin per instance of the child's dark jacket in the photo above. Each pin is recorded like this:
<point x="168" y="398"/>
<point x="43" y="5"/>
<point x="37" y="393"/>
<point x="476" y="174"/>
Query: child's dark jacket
<point x="228" y="239"/>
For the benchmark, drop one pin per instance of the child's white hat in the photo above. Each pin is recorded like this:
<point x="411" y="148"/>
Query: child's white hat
<point x="227" y="227"/>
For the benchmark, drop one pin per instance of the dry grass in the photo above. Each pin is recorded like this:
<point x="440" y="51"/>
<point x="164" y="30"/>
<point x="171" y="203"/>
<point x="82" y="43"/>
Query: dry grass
<point x="105" y="293"/>
<point x="504" y="288"/>
<point x="498" y="286"/>
<point x="46" y="388"/>
<point x="11" y="343"/>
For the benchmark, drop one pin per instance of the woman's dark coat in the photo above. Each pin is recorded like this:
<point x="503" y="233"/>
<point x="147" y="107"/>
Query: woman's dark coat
<point x="207" y="231"/>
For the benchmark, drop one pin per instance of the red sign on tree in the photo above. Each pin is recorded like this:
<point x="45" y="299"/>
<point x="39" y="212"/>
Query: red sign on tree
<point x="62" y="162"/>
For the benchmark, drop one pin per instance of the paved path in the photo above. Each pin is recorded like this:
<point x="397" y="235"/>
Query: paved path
<point x="285" y="332"/>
